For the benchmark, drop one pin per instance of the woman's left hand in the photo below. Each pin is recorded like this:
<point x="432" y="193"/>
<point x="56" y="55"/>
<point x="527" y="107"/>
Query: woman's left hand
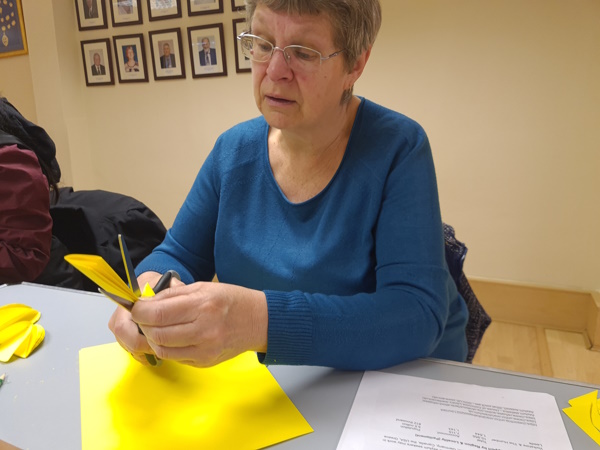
<point x="204" y="323"/>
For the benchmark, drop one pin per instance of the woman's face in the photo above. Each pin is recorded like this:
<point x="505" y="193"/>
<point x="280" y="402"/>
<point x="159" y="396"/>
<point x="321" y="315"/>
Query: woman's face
<point x="130" y="54"/>
<point x="298" y="100"/>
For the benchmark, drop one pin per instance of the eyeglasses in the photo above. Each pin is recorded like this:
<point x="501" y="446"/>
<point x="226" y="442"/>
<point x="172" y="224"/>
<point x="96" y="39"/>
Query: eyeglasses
<point x="298" y="57"/>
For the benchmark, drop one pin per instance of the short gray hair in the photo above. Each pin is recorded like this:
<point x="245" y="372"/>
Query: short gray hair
<point x="355" y="22"/>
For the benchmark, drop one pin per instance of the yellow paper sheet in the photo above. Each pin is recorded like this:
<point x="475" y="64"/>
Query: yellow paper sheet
<point x="583" y="411"/>
<point x="235" y="405"/>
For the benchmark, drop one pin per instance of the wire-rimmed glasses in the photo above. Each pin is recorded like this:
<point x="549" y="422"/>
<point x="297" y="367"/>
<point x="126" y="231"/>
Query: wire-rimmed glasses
<point x="298" y="57"/>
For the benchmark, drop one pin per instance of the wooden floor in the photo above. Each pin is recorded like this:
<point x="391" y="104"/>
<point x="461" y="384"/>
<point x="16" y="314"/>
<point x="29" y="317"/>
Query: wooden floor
<point x="539" y="351"/>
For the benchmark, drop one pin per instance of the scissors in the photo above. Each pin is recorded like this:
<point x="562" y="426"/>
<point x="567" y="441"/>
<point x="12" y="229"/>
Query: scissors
<point x="164" y="282"/>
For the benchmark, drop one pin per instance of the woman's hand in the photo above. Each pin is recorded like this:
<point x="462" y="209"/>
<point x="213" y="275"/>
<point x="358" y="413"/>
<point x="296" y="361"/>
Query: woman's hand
<point x="201" y="324"/>
<point x="126" y="330"/>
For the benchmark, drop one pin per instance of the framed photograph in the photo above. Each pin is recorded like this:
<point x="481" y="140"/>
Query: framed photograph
<point x="238" y="5"/>
<point x="130" y="57"/>
<point x="167" y="54"/>
<point x="199" y="7"/>
<point x="207" y="51"/>
<point x="164" y="9"/>
<point x="13" y="41"/>
<point x="242" y="64"/>
<point x="126" y="12"/>
<point x="91" y="14"/>
<point x="97" y="62"/>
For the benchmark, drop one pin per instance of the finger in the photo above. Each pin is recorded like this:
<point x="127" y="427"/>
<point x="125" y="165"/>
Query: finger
<point x="182" y="335"/>
<point x="127" y="333"/>
<point x="173" y="306"/>
<point x="192" y="355"/>
<point x="140" y="357"/>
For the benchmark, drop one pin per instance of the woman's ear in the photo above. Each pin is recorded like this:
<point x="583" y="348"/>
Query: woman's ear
<point x="358" y="68"/>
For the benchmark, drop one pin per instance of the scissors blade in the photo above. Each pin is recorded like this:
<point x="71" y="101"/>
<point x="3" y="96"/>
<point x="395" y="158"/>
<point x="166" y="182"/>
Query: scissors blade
<point x="118" y="300"/>
<point x="133" y="284"/>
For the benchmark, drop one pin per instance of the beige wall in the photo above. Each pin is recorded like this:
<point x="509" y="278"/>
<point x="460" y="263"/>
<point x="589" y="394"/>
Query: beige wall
<point x="507" y="90"/>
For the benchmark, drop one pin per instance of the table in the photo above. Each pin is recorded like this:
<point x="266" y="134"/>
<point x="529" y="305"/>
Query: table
<point x="40" y="401"/>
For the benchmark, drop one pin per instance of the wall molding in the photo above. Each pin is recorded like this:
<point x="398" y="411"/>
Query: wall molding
<point x="548" y="307"/>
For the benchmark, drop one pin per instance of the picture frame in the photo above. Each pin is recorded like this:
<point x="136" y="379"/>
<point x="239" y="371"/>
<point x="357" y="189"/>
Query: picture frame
<point x="13" y="40"/>
<point x="201" y="7"/>
<point x="207" y="50"/>
<point x="163" y="9"/>
<point x="242" y="64"/>
<point x="125" y="12"/>
<point x="238" y="5"/>
<point x="91" y="14"/>
<point x="167" y="54"/>
<point x="97" y="62"/>
<point x="130" y="58"/>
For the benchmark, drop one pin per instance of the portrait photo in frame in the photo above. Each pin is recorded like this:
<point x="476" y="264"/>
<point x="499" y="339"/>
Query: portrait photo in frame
<point x="13" y="40"/>
<point x="126" y="12"/>
<point x="130" y="58"/>
<point x="97" y="62"/>
<point x="164" y="9"/>
<point x="167" y="54"/>
<point x="200" y="7"/>
<point x="207" y="50"/>
<point x="91" y="14"/>
<point x="242" y="64"/>
<point x="238" y="5"/>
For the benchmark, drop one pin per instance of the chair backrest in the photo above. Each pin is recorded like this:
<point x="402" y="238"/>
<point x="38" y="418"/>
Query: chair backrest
<point x="479" y="320"/>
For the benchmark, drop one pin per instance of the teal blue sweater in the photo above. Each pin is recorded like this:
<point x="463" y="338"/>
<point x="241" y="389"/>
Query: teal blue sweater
<point x="355" y="278"/>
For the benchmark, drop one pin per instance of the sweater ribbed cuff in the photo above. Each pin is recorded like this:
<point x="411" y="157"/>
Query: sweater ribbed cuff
<point x="290" y="329"/>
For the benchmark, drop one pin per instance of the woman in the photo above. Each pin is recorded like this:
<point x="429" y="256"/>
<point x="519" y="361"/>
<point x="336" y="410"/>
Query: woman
<point x="131" y="65"/>
<point x="320" y="218"/>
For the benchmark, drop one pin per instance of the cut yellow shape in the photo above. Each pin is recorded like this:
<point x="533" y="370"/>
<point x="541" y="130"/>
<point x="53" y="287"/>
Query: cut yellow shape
<point x="595" y="414"/>
<point x="7" y="350"/>
<point x="98" y="270"/>
<point x="581" y="411"/>
<point x="234" y="405"/>
<point x="34" y="338"/>
<point x="12" y="332"/>
<point x="16" y="312"/>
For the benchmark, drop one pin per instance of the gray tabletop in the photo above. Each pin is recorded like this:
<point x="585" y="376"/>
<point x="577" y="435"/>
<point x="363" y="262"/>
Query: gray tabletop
<point x="39" y="403"/>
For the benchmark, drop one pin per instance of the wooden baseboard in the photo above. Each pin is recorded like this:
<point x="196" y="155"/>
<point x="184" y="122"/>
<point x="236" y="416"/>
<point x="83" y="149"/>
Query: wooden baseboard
<point x="547" y="307"/>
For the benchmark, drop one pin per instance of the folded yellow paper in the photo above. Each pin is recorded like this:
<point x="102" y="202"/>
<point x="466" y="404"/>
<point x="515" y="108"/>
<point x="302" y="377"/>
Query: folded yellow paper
<point x="234" y="405"/>
<point x="584" y="412"/>
<point x="19" y="335"/>
<point x="96" y="269"/>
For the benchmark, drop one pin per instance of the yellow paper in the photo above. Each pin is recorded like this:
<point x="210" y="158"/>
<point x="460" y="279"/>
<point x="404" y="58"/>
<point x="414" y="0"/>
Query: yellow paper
<point x="581" y="411"/>
<point x="33" y="339"/>
<point x="8" y="348"/>
<point x="18" y="334"/>
<point x="234" y="405"/>
<point x="16" y="312"/>
<point x="98" y="270"/>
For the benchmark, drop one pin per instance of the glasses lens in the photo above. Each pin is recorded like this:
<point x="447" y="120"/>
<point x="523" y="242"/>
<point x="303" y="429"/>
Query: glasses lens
<point x="256" y="49"/>
<point x="303" y="56"/>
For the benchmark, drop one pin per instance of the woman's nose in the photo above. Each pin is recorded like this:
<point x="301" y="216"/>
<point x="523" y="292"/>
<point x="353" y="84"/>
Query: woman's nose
<point x="279" y="64"/>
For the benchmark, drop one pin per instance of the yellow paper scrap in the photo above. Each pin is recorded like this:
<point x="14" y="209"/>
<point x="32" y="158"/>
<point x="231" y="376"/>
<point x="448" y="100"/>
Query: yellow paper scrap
<point x="148" y="291"/>
<point x="234" y="405"/>
<point x="18" y="334"/>
<point x="584" y="412"/>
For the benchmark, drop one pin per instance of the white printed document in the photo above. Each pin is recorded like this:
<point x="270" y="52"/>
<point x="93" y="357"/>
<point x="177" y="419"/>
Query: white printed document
<point x="401" y="412"/>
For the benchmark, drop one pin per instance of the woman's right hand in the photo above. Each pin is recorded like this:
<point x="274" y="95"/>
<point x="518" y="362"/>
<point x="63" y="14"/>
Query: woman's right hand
<point x="126" y="330"/>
